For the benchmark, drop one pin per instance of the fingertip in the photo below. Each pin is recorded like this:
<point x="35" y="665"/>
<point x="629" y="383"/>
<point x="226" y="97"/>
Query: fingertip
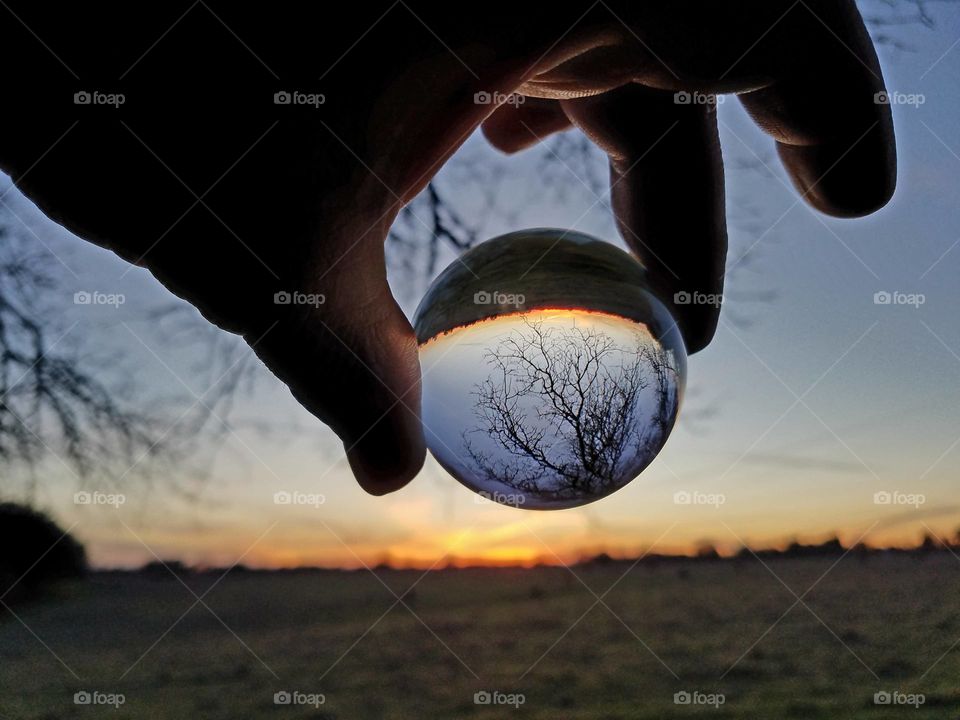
<point x="360" y="374"/>
<point x="516" y="126"/>
<point x="842" y="180"/>
<point x="697" y="322"/>
<point x="698" y="331"/>
<point x="387" y="458"/>
<point x="504" y="139"/>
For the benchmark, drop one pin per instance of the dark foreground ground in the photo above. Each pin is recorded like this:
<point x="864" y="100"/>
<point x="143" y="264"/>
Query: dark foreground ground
<point x="875" y="625"/>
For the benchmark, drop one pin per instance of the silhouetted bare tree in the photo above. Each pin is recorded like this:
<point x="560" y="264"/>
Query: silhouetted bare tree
<point x="57" y="403"/>
<point x="565" y="408"/>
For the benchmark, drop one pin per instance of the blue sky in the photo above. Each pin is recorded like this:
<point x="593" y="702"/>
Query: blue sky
<point x="878" y="407"/>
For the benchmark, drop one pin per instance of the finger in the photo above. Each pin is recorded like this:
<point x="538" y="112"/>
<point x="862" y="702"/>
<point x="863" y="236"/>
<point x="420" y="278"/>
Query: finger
<point x="352" y="361"/>
<point x="666" y="179"/>
<point x="834" y="134"/>
<point x="809" y="76"/>
<point x="519" y="125"/>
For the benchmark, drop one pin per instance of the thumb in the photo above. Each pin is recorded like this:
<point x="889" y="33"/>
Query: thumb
<point x="349" y="356"/>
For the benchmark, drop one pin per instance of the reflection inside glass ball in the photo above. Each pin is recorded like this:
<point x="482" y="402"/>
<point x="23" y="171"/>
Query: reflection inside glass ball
<point x="541" y="403"/>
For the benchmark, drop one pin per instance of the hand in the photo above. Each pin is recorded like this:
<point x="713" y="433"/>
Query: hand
<point x="228" y="198"/>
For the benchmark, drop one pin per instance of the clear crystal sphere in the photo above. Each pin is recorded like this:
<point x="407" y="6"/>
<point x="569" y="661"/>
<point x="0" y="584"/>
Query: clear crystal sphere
<point x="552" y="375"/>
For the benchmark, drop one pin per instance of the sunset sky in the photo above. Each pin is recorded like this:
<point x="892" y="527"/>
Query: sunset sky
<point x="811" y="399"/>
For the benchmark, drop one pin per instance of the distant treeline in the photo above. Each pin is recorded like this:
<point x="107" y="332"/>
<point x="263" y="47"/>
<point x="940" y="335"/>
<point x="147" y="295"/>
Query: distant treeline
<point x="36" y="553"/>
<point x="706" y="553"/>
<point x="832" y="547"/>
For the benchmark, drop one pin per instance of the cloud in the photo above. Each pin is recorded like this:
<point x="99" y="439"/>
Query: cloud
<point x="911" y="516"/>
<point x="799" y="462"/>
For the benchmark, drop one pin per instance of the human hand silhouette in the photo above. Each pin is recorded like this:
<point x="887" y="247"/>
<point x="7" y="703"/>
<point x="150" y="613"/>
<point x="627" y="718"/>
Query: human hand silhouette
<point x="230" y="199"/>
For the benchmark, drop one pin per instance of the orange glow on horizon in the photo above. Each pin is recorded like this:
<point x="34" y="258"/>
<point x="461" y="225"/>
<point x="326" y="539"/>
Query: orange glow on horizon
<point x="514" y="555"/>
<point x="546" y="313"/>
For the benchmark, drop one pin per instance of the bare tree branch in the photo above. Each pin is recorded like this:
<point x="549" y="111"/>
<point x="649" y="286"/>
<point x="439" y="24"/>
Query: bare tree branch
<point x="564" y="409"/>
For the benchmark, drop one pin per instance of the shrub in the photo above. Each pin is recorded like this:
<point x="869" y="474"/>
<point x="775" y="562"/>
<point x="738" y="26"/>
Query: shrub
<point x="35" y="552"/>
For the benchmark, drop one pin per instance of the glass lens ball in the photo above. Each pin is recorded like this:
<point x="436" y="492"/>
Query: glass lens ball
<point x="552" y="375"/>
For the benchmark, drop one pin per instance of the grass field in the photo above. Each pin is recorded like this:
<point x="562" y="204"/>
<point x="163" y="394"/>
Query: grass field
<point x="869" y="625"/>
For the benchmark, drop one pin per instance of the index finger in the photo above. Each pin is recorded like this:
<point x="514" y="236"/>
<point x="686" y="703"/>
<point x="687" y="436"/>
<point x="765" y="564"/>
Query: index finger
<point x="666" y="187"/>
